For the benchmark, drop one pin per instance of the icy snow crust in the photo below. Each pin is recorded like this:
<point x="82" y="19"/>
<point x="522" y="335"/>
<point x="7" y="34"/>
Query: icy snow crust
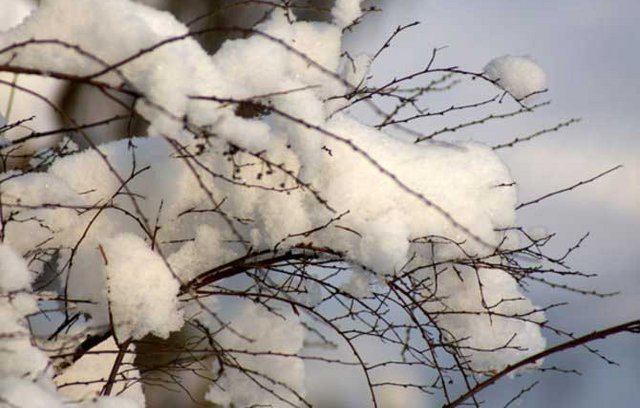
<point x="81" y="205"/>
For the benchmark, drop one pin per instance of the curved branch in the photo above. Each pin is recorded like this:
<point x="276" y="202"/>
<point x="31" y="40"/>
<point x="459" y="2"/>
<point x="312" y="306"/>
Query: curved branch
<point x="629" y="327"/>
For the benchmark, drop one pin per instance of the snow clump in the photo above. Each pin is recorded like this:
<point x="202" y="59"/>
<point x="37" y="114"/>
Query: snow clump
<point x="142" y="291"/>
<point x="520" y="76"/>
<point x="345" y="12"/>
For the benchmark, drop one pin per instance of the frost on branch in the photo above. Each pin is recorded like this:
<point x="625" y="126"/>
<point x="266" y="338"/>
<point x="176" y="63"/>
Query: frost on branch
<point x="252" y="183"/>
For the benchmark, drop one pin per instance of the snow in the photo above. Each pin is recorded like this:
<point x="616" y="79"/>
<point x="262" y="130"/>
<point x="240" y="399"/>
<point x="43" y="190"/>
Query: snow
<point x="485" y="312"/>
<point x="345" y="12"/>
<point x="113" y="402"/>
<point x="520" y="76"/>
<point x="157" y="74"/>
<point x="14" y="274"/>
<point x="84" y="380"/>
<point x="26" y="105"/>
<point x="205" y="252"/>
<point x="460" y="179"/>
<point x="392" y="396"/>
<point x="100" y="209"/>
<point x="17" y="355"/>
<point x="319" y="43"/>
<point x="24" y="393"/>
<point x="14" y="12"/>
<point x="142" y="290"/>
<point x="23" y="104"/>
<point x="538" y="232"/>
<point x="359" y="283"/>
<point x="355" y="72"/>
<point x="254" y="329"/>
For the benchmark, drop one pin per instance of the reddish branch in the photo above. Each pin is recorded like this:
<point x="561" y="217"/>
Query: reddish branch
<point x="629" y="327"/>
